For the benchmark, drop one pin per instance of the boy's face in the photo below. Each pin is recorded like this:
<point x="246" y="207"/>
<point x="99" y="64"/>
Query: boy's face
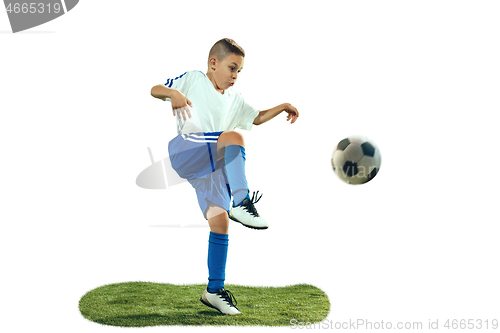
<point x="226" y="71"/>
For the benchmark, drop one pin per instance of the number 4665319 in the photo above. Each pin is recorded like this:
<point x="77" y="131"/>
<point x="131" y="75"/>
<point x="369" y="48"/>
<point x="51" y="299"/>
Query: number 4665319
<point x="33" y="8"/>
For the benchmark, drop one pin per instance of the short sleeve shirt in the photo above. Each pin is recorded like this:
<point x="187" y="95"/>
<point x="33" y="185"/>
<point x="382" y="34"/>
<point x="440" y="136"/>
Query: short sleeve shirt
<point x="211" y="110"/>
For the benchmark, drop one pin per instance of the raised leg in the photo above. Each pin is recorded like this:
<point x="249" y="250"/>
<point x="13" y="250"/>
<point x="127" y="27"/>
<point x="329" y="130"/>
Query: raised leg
<point x="226" y="139"/>
<point x="231" y="147"/>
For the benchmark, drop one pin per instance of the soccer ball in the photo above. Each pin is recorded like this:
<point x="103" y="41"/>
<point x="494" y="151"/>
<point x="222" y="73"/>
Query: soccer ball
<point x="356" y="160"/>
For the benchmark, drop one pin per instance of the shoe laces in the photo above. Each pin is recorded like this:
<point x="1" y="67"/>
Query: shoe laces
<point x="249" y="204"/>
<point x="228" y="297"/>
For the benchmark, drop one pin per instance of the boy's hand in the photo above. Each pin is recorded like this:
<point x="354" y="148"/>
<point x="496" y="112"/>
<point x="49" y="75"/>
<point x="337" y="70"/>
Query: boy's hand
<point x="180" y="105"/>
<point x="293" y="113"/>
<point x="266" y="115"/>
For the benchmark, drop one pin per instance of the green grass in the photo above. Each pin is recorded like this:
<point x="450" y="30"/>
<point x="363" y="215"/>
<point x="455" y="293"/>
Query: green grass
<point x="139" y="304"/>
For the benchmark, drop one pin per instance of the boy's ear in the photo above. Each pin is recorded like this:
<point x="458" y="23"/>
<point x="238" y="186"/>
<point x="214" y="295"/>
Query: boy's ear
<point x="212" y="62"/>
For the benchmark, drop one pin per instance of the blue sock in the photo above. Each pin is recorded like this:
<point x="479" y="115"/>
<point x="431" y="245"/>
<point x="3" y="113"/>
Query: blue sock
<point x="217" y="255"/>
<point x="234" y="158"/>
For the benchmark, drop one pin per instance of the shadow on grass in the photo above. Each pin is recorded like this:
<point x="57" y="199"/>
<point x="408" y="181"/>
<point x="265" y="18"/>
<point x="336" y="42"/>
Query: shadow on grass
<point x="140" y="304"/>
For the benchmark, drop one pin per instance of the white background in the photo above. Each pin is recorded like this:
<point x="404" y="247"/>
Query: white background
<point x="420" y="78"/>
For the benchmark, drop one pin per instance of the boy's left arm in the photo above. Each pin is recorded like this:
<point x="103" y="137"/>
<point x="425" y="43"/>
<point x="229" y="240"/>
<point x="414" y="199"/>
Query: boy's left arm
<point x="269" y="114"/>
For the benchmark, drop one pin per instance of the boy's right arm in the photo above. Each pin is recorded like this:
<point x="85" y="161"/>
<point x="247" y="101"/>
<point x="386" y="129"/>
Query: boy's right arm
<point x="178" y="100"/>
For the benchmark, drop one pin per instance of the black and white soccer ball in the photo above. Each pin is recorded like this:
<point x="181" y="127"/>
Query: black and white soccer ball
<point x="356" y="160"/>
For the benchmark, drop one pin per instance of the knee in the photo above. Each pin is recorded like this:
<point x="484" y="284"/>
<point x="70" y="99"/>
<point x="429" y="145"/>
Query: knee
<point x="232" y="138"/>
<point x="218" y="220"/>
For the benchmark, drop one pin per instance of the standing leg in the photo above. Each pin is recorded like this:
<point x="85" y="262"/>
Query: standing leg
<point x="217" y="248"/>
<point x="215" y="296"/>
<point x="218" y="220"/>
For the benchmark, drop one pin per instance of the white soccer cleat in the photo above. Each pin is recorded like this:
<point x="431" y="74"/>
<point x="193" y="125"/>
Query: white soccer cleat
<point x="221" y="301"/>
<point x="247" y="215"/>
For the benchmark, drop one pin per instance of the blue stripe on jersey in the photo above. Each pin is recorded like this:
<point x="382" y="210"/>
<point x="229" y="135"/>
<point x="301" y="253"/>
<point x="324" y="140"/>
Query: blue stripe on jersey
<point x="171" y="81"/>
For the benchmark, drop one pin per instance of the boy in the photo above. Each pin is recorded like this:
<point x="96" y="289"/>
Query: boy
<point x="211" y="155"/>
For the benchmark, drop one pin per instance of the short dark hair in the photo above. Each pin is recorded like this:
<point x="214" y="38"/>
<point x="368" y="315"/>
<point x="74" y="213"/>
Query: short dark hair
<point x="225" y="47"/>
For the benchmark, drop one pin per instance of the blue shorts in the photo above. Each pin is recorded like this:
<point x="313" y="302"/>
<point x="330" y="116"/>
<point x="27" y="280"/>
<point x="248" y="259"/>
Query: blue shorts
<point x="194" y="157"/>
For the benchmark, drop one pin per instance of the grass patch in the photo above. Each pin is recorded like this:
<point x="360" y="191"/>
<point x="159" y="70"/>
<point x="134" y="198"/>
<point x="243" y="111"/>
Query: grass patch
<point x="139" y="304"/>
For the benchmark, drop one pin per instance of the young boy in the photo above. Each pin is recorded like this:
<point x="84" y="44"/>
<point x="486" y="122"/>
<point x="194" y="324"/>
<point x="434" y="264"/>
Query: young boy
<point x="211" y="155"/>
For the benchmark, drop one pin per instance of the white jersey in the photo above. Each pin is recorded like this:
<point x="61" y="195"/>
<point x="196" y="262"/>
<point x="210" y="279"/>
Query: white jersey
<point x="211" y="110"/>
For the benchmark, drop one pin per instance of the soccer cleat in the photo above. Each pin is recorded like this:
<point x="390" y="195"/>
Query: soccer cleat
<point x="247" y="215"/>
<point x="221" y="301"/>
